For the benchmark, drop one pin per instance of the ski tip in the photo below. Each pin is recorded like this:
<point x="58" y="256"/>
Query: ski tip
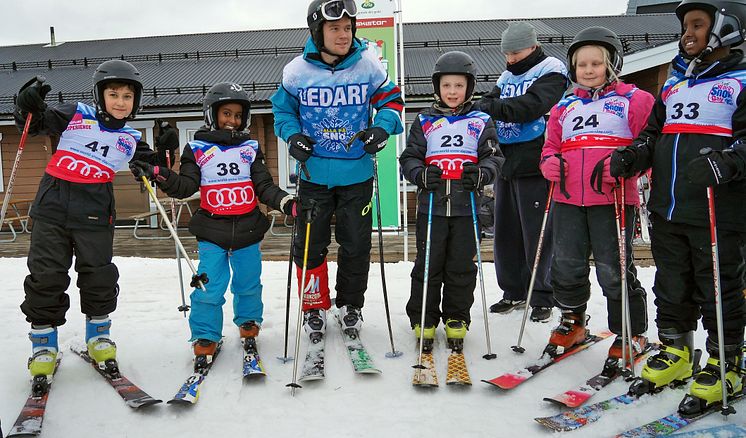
<point x="145" y="404"/>
<point x="394" y="354"/>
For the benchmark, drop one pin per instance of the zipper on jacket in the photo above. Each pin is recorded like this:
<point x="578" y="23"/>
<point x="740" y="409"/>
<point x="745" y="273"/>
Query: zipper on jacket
<point x="233" y="234"/>
<point x="448" y="197"/>
<point x="673" y="177"/>
<point x="582" y="177"/>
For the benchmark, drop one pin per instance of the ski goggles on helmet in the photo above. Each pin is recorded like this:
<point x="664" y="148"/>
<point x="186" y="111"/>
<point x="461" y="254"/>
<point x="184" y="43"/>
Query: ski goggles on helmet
<point x="335" y="9"/>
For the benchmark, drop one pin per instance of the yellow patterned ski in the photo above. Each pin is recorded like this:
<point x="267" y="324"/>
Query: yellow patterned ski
<point x="457" y="373"/>
<point x="426" y="377"/>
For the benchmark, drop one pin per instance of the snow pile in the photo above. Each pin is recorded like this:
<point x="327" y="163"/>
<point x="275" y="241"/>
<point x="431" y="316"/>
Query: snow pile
<point x="154" y="353"/>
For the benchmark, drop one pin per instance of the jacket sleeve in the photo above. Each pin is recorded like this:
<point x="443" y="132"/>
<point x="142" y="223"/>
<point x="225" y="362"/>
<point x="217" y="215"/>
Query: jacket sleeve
<point x="268" y="192"/>
<point x="412" y="159"/>
<point x="537" y="101"/>
<point x="389" y="105"/>
<point x="738" y="122"/>
<point x="491" y="158"/>
<point x="52" y="121"/>
<point x="185" y="183"/>
<point x="641" y="104"/>
<point x="553" y="141"/>
<point x="644" y="144"/>
<point x="144" y="153"/>
<point x="285" y="108"/>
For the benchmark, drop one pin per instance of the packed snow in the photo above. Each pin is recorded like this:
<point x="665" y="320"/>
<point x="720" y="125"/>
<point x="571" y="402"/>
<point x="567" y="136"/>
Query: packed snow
<point x="153" y="350"/>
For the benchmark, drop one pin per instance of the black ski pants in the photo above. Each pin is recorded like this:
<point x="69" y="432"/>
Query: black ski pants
<point x="351" y="206"/>
<point x="451" y="265"/>
<point x="519" y="210"/>
<point x="684" y="287"/>
<point x="49" y="260"/>
<point x="580" y="231"/>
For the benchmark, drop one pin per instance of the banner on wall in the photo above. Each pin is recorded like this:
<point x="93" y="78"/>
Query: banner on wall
<point x="375" y="24"/>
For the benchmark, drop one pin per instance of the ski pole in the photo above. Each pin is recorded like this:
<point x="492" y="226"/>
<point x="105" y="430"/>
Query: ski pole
<point x="726" y="409"/>
<point x="285" y="357"/>
<point x="393" y="352"/>
<point x="16" y="163"/>
<point x="184" y="306"/>
<point x="620" y="218"/>
<point x="299" y="322"/>
<point x="490" y="354"/>
<point x="425" y="279"/>
<point x="198" y="279"/>
<point x="518" y="348"/>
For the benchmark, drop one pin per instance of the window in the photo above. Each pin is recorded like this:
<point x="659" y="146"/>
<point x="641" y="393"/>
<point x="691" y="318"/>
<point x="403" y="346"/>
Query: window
<point x="287" y="168"/>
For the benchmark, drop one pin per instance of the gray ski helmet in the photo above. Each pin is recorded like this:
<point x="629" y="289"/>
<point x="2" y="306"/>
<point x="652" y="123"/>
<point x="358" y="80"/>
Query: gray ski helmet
<point x="728" y="20"/>
<point x="116" y="70"/>
<point x="225" y="92"/>
<point x="600" y="36"/>
<point x="315" y="18"/>
<point x="456" y="63"/>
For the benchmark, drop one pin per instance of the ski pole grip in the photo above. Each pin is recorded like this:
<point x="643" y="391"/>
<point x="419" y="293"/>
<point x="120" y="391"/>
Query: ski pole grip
<point x="199" y="280"/>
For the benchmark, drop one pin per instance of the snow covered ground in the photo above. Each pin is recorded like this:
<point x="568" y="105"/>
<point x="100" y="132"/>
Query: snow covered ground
<point x="154" y="353"/>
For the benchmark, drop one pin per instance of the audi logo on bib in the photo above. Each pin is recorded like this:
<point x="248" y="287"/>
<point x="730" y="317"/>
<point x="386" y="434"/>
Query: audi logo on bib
<point x="451" y="165"/>
<point x="229" y="199"/>
<point x="79" y="170"/>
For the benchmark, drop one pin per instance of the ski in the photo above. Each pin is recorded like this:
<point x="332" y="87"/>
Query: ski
<point x="511" y="380"/>
<point x="457" y="373"/>
<point x="425" y="376"/>
<point x="577" y="397"/>
<point x="725" y="431"/>
<point x="252" y="363"/>
<point x="132" y="395"/>
<point x="189" y="392"/>
<point x="30" y="419"/>
<point x="673" y="422"/>
<point x="313" y="366"/>
<point x="361" y="360"/>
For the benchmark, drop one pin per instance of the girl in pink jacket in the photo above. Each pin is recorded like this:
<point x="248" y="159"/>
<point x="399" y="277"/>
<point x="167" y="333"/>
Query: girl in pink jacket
<point x="584" y="128"/>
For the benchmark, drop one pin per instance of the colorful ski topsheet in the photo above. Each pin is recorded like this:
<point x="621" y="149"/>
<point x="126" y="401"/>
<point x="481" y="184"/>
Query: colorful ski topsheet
<point x="313" y="366"/>
<point x="361" y="360"/>
<point x="426" y="377"/>
<point x="130" y="393"/>
<point x="252" y="363"/>
<point x="189" y="392"/>
<point x="457" y="373"/>
<point x="511" y="380"/>
<point x="29" y="421"/>
<point x="671" y="423"/>
<point x="579" y="417"/>
<point x="577" y="397"/>
<point x="725" y="431"/>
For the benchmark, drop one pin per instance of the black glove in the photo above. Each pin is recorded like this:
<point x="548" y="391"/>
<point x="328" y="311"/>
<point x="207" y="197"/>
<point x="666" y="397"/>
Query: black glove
<point x="711" y="168"/>
<point x="152" y="173"/>
<point x="374" y="140"/>
<point x="471" y="177"/>
<point x="196" y="279"/>
<point x="623" y="161"/>
<point x="301" y="147"/>
<point x="429" y="179"/>
<point x="309" y="209"/>
<point x="32" y="94"/>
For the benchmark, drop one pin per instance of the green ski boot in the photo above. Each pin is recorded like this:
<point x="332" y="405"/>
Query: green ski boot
<point x="707" y="388"/>
<point x="455" y="334"/>
<point x="44" y="351"/>
<point x="674" y="363"/>
<point x="428" y="337"/>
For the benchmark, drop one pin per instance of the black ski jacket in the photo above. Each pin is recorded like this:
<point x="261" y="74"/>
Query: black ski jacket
<point x="227" y="231"/>
<point x="672" y="196"/>
<point x="65" y="203"/>
<point x="450" y="199"/>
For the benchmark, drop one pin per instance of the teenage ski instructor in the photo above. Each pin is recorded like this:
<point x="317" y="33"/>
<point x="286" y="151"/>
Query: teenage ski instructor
<point x="337" y="88"/>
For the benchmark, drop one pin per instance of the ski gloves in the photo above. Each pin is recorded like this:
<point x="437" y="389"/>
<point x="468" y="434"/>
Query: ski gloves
<point x="152" y="173"/>
<point x="32" y="94"/>
<point x="374" y="139"/>
<point x="622" y="162"/>
<point x="711" y="168"/>
<point x="552" y="168"/>
<point x="429" y="179"/>
<point x="309" y="208"/>
<point x="301" y="147"/>
<point x="472" y="178"/>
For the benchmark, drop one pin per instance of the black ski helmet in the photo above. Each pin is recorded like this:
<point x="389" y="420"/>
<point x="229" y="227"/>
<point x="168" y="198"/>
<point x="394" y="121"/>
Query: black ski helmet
<point x="225" y="92"/>
<point x="728" y="20"/>
<point x="456" y="63"/>
<point x="315" y="18"/>
<point x="600" y="36"/>
<point x="116" y="70"/>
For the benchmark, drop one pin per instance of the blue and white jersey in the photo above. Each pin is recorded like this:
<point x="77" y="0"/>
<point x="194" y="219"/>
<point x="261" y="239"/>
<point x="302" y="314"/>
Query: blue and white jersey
<point x="516" y="85"/>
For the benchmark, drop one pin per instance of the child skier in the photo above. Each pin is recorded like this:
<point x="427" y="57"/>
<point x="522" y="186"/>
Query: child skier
<point x="583" y="129"/>
<point x="74" y="209"/>
<point x="228" y="170"/>
<point x="695" y="139"/>
<point x="451" y="151"/>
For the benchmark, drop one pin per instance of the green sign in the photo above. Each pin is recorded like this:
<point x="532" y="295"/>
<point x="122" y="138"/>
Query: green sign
<point x="375" y="24"/>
